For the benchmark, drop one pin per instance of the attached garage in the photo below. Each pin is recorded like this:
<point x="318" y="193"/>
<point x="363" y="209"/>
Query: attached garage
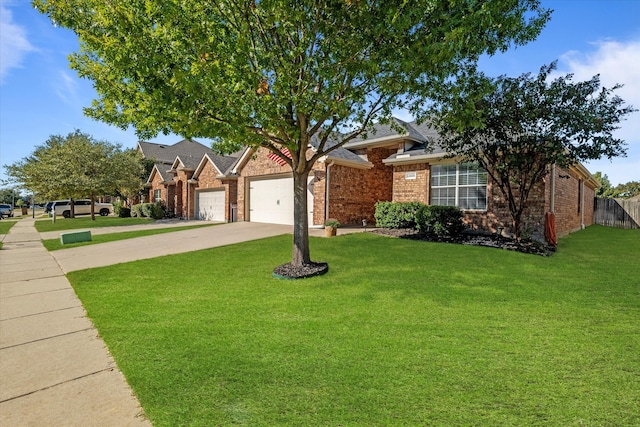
<point x="271" y="200"/>
<point x="210" y="205"/>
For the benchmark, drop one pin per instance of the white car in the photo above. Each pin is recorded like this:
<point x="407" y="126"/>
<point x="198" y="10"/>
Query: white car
<point x="6" y="210"/>
<point x="81" y="207"/>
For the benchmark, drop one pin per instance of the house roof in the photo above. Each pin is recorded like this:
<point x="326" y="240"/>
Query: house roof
<point x="187" y="153"/>
<point x="379" y="133"/>
<point x="222" y="163"/>
<point x="187" y="148"/>
<point x="161" y="170"/>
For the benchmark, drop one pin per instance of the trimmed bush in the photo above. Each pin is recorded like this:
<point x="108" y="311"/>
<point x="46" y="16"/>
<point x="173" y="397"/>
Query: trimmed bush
<point x="147" y="210"/>
<point x="120" y="210"/>
<point x="440" y="220"/>
<point x="397" y="214"/>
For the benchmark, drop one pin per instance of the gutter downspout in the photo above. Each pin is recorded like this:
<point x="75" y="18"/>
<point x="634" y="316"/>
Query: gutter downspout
<point x="326" y="192"/>
<point x="553" y="189"/>
<point x="582" y="226"/>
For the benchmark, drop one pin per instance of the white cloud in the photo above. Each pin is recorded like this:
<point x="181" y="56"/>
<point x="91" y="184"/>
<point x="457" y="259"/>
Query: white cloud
<point x="66" y="87"/>
<point x="616" y="62"/>
<point x="13" y="43"/>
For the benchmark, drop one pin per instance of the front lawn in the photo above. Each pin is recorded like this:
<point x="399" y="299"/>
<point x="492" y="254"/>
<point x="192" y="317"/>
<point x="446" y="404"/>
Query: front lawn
<point x="85" y="222"/>
<point x="5" y="225"/>
<point x="398" y="333"/>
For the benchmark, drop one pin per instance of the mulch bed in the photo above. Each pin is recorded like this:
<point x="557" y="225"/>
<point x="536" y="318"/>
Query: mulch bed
<point x="489" y="240"/>
<point x="291" y="272"/>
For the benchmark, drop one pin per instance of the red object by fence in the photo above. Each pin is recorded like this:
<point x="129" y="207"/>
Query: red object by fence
<point x="550" y="228"/>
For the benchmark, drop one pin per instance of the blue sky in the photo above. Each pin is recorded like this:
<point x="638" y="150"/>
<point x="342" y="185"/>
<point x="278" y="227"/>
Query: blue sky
<point x="41" y="96"/>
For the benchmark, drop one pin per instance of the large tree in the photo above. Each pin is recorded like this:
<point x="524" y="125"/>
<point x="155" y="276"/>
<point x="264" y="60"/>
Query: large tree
<point x="516" y="128"/>
<point x="77" y="165"/>
<point x="279" y="74"/>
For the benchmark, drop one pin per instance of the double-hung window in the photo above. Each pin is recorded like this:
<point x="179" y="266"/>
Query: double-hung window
<point x="463" y="185"/>
<point x="157" y="196"/>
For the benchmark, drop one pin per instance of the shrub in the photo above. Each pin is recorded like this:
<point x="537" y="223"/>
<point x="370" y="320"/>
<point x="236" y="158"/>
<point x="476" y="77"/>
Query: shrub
<point x="120" y="210"/>
<point x="397" y="214"/>
<point x="147" y="210"/>
<point x="440" y="220"/>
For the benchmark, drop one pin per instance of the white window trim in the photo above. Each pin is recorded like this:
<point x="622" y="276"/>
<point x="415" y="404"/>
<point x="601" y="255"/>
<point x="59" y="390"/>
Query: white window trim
<point x="457" y="187"/>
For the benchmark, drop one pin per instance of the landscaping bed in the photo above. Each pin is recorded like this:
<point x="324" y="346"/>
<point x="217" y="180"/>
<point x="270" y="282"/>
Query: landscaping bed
<point x="474" y="239"/>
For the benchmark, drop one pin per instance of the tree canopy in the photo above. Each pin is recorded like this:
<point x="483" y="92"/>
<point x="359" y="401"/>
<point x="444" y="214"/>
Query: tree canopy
<point x="275" y="73"/>
<point x="516" y="128"/>
<point x="607" y="190"/>
<point x="77" y="165"/>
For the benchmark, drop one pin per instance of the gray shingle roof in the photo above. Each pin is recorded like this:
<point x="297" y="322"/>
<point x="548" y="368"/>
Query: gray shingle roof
<point x="379" y="131"/>
<point x="168" y="153"/>
<point x="187" y="151"/>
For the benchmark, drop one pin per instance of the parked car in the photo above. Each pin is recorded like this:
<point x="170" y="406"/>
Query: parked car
<point x="6" y="210"/>
<point x="48" y="208"/>
<point x="81" y="207"/>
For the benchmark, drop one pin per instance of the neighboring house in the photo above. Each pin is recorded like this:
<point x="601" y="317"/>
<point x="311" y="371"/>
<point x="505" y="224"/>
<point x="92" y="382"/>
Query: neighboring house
<point x="346" y="184"/>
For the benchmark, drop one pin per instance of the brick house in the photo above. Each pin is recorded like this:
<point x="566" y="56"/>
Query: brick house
<point x="175" y="179"/>
<point x="390" y="165"/>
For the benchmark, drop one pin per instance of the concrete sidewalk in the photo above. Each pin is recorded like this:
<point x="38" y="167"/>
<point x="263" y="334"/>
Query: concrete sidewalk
<point x="54" y="368"/>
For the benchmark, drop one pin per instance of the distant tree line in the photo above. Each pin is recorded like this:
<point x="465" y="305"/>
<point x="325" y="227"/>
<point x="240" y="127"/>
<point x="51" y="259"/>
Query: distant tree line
<point x="608" y="191"/>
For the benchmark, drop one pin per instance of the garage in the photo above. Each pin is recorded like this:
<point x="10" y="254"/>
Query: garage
<point x="210" y="205"/>
<point x="271" y="201"/>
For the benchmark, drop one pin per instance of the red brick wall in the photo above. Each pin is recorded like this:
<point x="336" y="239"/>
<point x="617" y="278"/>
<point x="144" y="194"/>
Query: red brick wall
<point x="411" y="190"/>
<point x="354" y="192"/>
<point x="498" y="213"/>
<point x="156" y="180"/>
<point x="572" y="208"/>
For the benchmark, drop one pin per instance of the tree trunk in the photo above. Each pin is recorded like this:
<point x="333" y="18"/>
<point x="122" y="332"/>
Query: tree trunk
<point x="516" y="224"/>
<point x="300" y="220"/>
<point x="93" y="208"/>
<point x="72" y="206"/>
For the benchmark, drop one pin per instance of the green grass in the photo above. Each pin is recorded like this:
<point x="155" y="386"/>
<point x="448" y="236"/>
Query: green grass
<point x="6" y="225"/>
<point x="54" y="244"/>
<point x="398" y="333"/>
<point x="85" y="222"/>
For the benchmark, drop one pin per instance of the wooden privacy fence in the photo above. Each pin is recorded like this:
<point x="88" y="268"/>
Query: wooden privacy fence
<point x="617" y="213"/>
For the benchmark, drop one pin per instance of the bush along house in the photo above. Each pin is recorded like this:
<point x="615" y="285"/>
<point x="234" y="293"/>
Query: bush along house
<point x="395" y="163"/>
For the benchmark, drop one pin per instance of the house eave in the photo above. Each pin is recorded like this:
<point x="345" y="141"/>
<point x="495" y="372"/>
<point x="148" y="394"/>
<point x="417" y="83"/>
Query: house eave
<point x="379" y="142"/>
<point x="410" y="160"/>
<point x="344" y="162"/>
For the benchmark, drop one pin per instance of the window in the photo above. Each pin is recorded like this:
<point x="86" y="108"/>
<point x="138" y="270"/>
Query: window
<point x="463" y="185"/>
<point x="157" y="196"/>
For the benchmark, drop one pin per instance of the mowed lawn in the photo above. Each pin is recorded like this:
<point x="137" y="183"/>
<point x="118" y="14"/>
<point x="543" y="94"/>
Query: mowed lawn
<point x="398" y="333"/>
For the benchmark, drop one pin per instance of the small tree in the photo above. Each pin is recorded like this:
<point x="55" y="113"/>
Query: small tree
<point x="77" y="166"/>
<point x="516" y="128"/>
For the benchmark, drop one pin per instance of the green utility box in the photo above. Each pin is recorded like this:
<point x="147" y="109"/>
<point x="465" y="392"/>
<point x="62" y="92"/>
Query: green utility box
<point x="75" y="236"/>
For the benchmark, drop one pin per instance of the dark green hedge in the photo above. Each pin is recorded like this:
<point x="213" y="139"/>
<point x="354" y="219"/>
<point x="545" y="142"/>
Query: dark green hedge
<point x="397" y="214"/>
<point x="440" y="220"/>
<point x="147" y="210"/>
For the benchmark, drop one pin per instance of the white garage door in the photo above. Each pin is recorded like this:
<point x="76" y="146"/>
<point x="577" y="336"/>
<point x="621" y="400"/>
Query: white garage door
<point x="210" y="205"/>
<point x="271" y="201"/>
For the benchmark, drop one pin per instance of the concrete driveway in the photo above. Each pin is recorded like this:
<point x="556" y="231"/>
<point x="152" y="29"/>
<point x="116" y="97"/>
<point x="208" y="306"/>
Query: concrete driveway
<point x="157" y="245"/>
